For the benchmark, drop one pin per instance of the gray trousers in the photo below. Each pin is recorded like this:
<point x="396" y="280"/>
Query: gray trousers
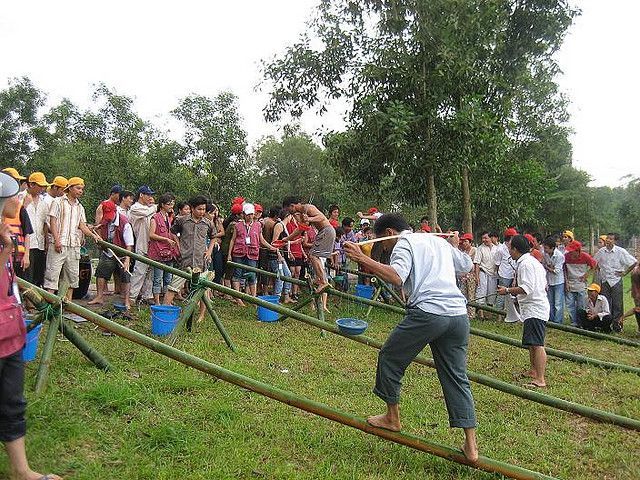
<point x="448" y="338"/>
<point x="615" y="297"/>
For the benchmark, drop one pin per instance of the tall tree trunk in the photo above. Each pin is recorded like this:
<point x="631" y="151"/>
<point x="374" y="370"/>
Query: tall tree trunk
<point x="432" y="201"/>
<point x="467" y="223"/>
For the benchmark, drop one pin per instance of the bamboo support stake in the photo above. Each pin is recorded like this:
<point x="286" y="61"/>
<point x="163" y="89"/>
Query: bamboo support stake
<point x="184" y="322"/>
<point x="486" y="380"/>
<point x="302" y="403"/>
<point x="376" y="294"/>
<point x="214" y="316"/>
<point x="47" y="352"/>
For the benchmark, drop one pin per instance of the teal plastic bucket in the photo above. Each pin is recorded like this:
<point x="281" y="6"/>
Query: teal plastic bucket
<point x="266" y="315"/>
<point x="164" y="319"/>
<point x="364" y="291"/>
<point x="30" y="349"/>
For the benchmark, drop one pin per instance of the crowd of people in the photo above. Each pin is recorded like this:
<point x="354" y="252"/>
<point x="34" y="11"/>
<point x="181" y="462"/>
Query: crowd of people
<point x="44" y="228"/>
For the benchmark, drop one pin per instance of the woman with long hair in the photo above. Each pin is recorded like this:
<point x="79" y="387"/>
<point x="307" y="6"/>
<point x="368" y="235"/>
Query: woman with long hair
<point x="163" y="246"/>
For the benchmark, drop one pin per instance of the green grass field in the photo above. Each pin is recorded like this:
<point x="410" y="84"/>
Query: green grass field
<point x="153" y="418"/>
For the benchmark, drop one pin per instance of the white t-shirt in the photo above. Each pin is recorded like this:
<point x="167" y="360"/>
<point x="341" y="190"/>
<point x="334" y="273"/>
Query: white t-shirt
<point x="532" y="278"/>
<point x="611" y="261"/>
<point x="427" y="266"/>
<point x="485" y="258"/>
<point x="555" y="261"/>
<point x="502" y="258"/>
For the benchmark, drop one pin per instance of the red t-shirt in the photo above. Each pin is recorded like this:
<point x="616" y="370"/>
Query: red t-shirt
<point x="334" y="223"/>
<point x="537" y="254"/>
<point x="296" y="248"/>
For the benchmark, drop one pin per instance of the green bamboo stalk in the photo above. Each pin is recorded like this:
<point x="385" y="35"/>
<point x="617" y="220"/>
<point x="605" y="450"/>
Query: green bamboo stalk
<point x="376" y="294"/>
<point x="566" y="328"/>
<point x="558" y="353"/>
<point x="67" y="329"/>
<point x="214" y="316"/>
<point x="47" y="352"/>
<point x="391" y="291"/>
<point x="35" y="321"/>
<point x="486" y="380"/>
<point x="185" y="316"/>
<point x="289" y="398"/>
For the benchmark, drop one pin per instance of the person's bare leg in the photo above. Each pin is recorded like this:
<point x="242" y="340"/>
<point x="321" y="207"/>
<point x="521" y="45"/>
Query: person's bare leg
<point x="236" y="287"/>
<point x="101" y="285"/>
<point x="389" y="420"/>
<point x="17" y="454"/>
<point x="253" y="289"/>
<point x="470" y="446"/>
<point x="125" y="288"/>
<point x="325" y="297"/>
<point x="318" y="270"/>
<point x="539" y="365"/>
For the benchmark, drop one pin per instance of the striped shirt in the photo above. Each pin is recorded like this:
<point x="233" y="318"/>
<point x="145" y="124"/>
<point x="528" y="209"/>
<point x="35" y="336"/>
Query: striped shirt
<point x="69" y="216"/>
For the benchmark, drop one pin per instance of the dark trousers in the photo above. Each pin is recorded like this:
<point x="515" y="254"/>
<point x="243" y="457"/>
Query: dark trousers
<point x="614" y="296"/>
<point x="448" y="338"/>
<point x="603" y="324"/>
<point x="12" y="403"/>
<point x="37" y="267"/>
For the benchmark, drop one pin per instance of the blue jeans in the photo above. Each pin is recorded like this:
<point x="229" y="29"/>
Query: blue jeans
<point x="575" y="302"/>
<point x="161" y="279"/>
<point x="239" y="274"/>
<point x="502" y="282"/>
<point x="555" y="294"/>
<point x="275" y="267"/>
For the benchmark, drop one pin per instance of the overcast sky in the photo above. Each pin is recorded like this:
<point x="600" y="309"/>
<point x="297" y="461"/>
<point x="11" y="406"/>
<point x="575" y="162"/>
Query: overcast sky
<point x="158" y="52"/>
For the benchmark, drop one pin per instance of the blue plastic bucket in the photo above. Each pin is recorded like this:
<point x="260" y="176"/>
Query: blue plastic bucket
<point x="31" y="347"/>
<point x="266" y="315"/>
<point x="364" y="291"/>
<point x="164" y="319"/>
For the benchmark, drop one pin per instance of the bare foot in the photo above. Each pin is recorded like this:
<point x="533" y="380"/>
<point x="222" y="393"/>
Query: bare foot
<point x="535" y="384"/>
<point x="200" y="319"/>
<point x="327" y="310"/>
<point x="470" y="451"/>
<point x="96" y="301"/>
<point x="383" y="421"/>
<point x="322" y="288"/>
<point x="240" y="303"/>
<point x="529" y="373"/>
<point x="38" y="476"/>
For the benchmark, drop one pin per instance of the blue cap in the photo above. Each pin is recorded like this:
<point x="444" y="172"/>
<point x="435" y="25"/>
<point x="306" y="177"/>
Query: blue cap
<point x="146" y="190"/>
<point x="117" y="188"/>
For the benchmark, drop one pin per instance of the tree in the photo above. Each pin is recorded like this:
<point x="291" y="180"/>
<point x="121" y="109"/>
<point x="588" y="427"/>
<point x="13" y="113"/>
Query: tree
<point x="216" y="144"/>
<point x="437" y="88"/>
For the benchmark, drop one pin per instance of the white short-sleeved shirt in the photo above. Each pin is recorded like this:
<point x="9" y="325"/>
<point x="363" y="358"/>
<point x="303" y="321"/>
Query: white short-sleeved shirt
<point x="427" y="266"/>
<point x="502" y="259"/>
<point x="600" y="307"/>
<point x="555" y="261"/>
<point x="485" y="258"/>
<point x="69" y="216"/>
<point x="611" y="261"/>
<point x="532" y="278"/>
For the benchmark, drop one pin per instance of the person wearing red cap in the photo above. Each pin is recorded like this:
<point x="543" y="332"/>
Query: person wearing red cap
<point x="229" y="225"/>
<point x="505" y="264"/>
<point x="259" y="211"/>
<point x="113" y="228"/>
<point x="577" y="266"/>
<point x="372" y="214"/>
<point x="535" y="251"/>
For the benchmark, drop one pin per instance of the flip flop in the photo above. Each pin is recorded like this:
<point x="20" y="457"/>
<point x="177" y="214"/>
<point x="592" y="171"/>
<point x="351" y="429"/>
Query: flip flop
<point x="48" y="476"/>
<point x="533" y="385"/>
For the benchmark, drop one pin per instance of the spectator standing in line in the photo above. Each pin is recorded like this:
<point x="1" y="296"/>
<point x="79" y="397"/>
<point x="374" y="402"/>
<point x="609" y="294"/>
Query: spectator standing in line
<point x="38" y="211"/>
<point x="67" y="224"/>
<point x="535" y="248"/>
<point x="140" y="217"/>
<point x="534" y="307"/>
<point x="163" y="245"/>
<point x="614" y="263"/>
<point x="505" y="264"/>
<point x="468" y="282"/>
<point x="277" y="261"/>
<point x="565" y="239"/>
<point x="334" y="216"/>
<point x="296" y="256"/>
<point x="485" y="272"/>
<point x="114" y="197"/>
<point x="20" y="227"/>
<point x="127" y="198"/>
<point x="554" y="265"/>
<point x="577" y="265"/>
<point x="635" y="291"/>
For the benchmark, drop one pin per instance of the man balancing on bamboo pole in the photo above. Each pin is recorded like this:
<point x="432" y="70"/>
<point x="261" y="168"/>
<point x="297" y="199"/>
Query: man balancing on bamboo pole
<point x="322" y="247"/>
<point x="425" y="266"/>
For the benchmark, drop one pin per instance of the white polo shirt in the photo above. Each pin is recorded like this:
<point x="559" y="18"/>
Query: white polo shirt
<point x="532" y="278"/>
<point x="502" y="258"/>
<point x="611" y="261"/>
<point x="485" y="258"/>
<point x="427" y="266"/>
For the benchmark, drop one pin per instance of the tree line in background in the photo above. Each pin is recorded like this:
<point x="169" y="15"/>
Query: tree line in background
<point x="454" y="112"/>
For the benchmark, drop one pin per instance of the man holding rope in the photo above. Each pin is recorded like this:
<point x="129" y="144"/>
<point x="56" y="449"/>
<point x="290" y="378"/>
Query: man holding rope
<point x="425" y="266"/>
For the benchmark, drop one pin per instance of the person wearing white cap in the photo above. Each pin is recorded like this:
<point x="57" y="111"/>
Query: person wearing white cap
<point x="245" y="248"/>
<point x="13" y="426"/>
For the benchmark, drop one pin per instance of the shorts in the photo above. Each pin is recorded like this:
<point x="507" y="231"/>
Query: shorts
<point x="67" y="262"/>
<point x="296" y="262"/>
<point x="239" y="273"/>
<point x="108" y="266"/>
<point x="323" y="244"/>
<point x="533" y="332"/>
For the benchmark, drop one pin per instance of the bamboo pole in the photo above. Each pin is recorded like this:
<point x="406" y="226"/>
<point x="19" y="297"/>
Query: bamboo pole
<point x="299" y="306"/>
<point x="486" y="380"/>
<point x="185" y="317"/>
<point x="302" y="403"/>
<point x="47" y="352"/>
<point x="376" y="294"/>
<point x="214" y="316"/>
<point x="558" y="353"/>
<point x="567" y="328"/>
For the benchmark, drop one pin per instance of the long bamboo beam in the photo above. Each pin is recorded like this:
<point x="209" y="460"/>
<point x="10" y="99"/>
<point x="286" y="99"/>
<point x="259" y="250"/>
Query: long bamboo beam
<point x="486" y="380"/>
<point x="214" y="316"/>
<point x="289" y="398"/>
<point x="566" y="328"/>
